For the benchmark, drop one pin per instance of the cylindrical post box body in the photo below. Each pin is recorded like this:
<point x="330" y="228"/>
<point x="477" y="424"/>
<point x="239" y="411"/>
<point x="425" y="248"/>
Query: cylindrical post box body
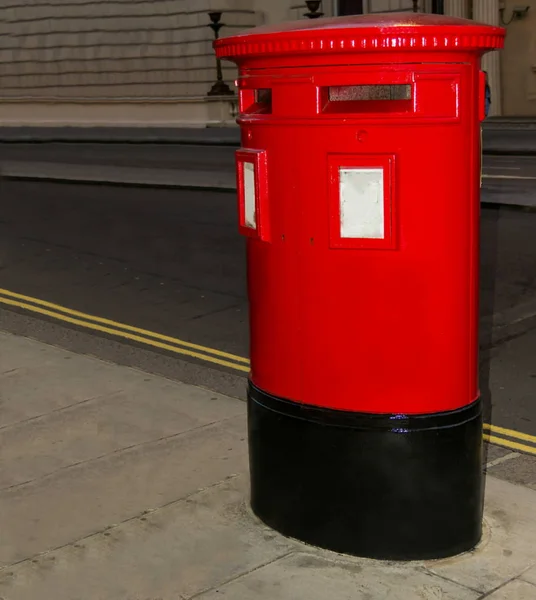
<point x="359" y="192"/>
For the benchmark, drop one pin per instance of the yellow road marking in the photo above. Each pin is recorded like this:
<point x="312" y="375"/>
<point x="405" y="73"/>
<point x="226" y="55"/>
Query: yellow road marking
<point x="124" y="334"/>
<point x="145" y="332"/>
<point x="204" y="353"/>
<point x="510" y="433"/>
<point x="509" y="444"/>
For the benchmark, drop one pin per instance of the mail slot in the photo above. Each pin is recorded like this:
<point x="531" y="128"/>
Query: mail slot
<point x="358" y="191"/>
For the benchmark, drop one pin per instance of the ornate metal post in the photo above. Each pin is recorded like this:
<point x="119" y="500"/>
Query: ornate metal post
<point x="220" y="88"/>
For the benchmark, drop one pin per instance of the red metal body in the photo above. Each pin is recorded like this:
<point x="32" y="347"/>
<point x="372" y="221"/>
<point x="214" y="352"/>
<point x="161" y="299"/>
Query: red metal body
<point x="375" y="120"/>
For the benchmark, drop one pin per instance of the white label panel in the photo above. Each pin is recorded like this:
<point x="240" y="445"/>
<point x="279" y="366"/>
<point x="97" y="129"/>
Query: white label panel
<point x="250" y="206"/>
<point x="361" y="196"/>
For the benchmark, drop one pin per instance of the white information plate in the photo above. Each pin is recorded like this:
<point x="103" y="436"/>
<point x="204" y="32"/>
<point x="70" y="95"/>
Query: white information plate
<point x="361" y="203"/>
<point x="250" y="205"/>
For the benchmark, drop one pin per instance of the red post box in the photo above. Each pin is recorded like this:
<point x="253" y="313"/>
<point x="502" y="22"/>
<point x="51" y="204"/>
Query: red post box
<point x="359" y="192"/>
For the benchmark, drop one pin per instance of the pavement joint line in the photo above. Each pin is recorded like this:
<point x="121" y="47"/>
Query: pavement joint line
<point x="118" y="451"/>
<point x="526" y="581"/>
<point x="55" y="411"/>
<point x="135" y="517"/>
<point x="246" y="573"/>
<point x="505" y="583"/>
<point x="502" y="459"/>
<point x="497" y="435"/>
<point x="428" y="569"/>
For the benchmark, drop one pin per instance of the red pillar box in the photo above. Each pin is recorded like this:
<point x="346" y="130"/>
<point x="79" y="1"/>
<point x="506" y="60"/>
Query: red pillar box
<point x="359" y="185"/>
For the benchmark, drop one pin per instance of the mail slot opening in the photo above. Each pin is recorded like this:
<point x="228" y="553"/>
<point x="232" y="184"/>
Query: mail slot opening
<point x="264" y="96"/>
<point x="256" y="101"/>
<point x="393" y="98"/>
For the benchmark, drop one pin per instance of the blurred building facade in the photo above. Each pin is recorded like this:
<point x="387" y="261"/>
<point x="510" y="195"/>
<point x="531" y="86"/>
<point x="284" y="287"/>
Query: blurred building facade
<point x="150" y="62"/>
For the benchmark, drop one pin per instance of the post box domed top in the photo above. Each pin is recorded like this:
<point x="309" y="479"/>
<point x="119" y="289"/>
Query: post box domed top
<point x="402" y="32"/>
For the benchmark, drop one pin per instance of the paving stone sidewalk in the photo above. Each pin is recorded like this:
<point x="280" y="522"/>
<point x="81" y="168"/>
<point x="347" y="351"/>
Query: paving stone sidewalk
<point x="116" y="484"/>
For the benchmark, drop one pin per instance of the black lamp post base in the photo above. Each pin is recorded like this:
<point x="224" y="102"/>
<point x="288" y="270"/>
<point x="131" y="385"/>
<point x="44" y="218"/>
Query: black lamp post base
<point x="220" y="88"/>
<point x="313" y="6"/>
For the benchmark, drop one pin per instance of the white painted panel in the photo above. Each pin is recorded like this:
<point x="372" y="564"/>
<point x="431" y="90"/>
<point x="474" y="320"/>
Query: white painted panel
<point x="362" y="203"/>
<point x="250" y="206"/>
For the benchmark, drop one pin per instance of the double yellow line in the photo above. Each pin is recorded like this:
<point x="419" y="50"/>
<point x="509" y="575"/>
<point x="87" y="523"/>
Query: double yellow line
<point x="121" y="330"/>
<point x="508" y="438"/>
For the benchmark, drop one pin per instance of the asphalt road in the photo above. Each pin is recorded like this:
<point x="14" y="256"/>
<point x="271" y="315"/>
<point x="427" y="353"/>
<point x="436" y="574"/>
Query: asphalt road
<point x="124" y="155"/>
<point x="507" y="179"/>
<point x="499" y="137"/>
<point x="172" y="262"/>
<point x="192" y="156"/>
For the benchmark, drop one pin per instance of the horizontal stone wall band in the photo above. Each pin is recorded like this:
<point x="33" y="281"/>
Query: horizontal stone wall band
<point x="113" y="48"/>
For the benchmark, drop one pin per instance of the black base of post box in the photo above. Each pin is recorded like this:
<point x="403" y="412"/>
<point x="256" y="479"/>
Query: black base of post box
<point x="392" y="487"/>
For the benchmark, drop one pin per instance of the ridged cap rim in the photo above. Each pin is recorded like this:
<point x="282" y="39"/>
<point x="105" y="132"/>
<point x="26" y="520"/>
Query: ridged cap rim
<point x="363" y="33"/>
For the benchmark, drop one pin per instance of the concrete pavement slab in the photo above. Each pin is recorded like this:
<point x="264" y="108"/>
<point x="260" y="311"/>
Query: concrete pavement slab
<point x="41" y="379"/>
<point x="507" y="548"/>
<point x="15" y="355"/>
<point x="88" y="497"/>
<point x="84" y="441"/>
<point x="530" y="576"/>
<point x="162" y="512"/>
<point x="95" y="428"/>
<point x="172" y="552"/>
<point x="515" y="590"/>
<point x="313" y="577"/>
<point x="209" y="546"/>
<point x="33" y="391"/>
